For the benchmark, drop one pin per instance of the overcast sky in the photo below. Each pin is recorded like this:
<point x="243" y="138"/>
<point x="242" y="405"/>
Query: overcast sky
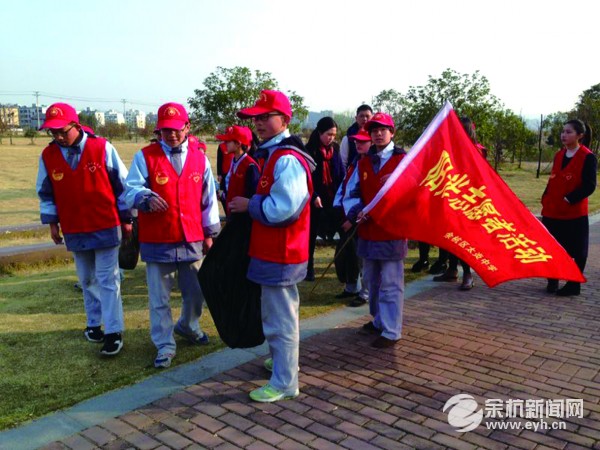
<point x="538" y="55"/>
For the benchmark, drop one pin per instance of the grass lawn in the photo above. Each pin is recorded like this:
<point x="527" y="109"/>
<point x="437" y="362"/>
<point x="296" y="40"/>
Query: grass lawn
<point x="45" y="362"/>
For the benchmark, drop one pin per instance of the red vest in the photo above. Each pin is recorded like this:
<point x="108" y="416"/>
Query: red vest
<point x="563" y="182"/>
<point x="182" y="221"/>
<point x="370" y="183"/>
<point x="237" y="180"/>
<point x="84" y="197"/>
<point x="287" y="244"/>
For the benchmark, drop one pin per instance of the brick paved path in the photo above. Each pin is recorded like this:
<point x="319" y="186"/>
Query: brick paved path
<point x="511" y="342"/>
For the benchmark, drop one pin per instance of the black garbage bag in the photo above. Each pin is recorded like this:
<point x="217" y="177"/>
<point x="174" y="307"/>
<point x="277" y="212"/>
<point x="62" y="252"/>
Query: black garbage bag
<point x="129" y="252"/>
<point x="233" y="300"/>
<point x="347" y="263"/>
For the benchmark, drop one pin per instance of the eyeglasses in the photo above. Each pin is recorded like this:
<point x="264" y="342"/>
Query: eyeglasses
<point x="61" y="132"/>
<point x="172" y="130"/>
<point x="265" y="117"/>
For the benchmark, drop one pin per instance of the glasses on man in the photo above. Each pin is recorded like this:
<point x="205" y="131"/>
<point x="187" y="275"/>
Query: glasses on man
<point x="265" y="117"/>
<point x="59" y="132"/>
<point x="172" y="130"/>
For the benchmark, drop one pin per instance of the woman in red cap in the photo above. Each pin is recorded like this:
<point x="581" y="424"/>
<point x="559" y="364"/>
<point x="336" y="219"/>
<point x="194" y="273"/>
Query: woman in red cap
<point x="383" y="253"/>
<point x="242" y="177"/>
<point x="348" y="264"/>
<point x="565" y="200"/>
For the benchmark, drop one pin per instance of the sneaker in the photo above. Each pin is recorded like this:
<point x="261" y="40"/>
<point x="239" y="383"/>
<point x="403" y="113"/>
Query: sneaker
<point x="356" y="302"/>
<point x="570" y="288"/>
<point x="383" y="342"/>
<point x="94" y="334"/>
<point x="438" y="267"/>
<point x="194" y="338"/>
<point x="345" y="294"/>
<point x="419" y="266"/>
<point x="449" y="276"/>
<point x="268" y="394"/>
<point x="552" y="286"/>
<point x="113" y="343"/>
<point x="163" y="360"/>
<point x="368" y="329"/>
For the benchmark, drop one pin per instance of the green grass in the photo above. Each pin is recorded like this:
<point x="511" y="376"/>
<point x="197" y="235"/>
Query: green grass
<point x="45" y="362"/>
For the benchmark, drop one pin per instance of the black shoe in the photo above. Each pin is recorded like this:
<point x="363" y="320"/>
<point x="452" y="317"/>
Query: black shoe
<point x="383" y="342"/>
<point x="356" y="302"/>
<point x="346" y="294"/>
<point x="310" y="275"/>
<point x="438" y="267"/>
<point x="570" y="288"/>
<point x="113" y="343"/>
<point x="467" y="283"/>
<point x="368" y="329"/>
<point x="448" y="275"/>
<point x="419" y="266"/>
<point x="552" y="286"/>
<point x="94" y="334"/>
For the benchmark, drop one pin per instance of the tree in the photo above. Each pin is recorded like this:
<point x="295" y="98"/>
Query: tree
<point x="393" y="102"/>
<point x="89" y="119"/>
<point x="510" y="136"/>
<point x="113" y="130"/>
<point x="588" y="110"/>
<point x="30" y="133"/>
<point x="227" y="90"/>
<point x="470" y="95"/>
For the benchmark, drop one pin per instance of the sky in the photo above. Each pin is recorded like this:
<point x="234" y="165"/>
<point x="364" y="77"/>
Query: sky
<point x="538" y="56"/>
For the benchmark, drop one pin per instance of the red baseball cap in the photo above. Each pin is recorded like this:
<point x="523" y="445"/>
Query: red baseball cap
<point x="172" y="115"/>
<point x="380" y="119"/>
<point x="195" y="143"/>
<point x="362" y="135"/>
<point x="87" y="129"/>
<point x="243" y="135"/>
<point x="268" y="101"/>
<point x="59" y="115"/>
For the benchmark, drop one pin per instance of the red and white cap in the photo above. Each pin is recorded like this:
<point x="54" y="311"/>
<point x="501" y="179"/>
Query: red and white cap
<point x="59" y="115"/>
<point x="243" y="135"/>
<point x="362" y="135"/>
<point x="268" y="101"/>
<point x="380" y="119"/>
<point x="172" y="115"/>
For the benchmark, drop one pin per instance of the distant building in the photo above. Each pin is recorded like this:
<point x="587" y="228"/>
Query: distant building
<point x="100" y="119"/>
<point x="32" y="116"/>
<point x="151" y="118"/>
<point x="314" y="117"/>
<point x="135" y="119"/>
<point x="9" y="116"/>
<point x="113" y="116"/>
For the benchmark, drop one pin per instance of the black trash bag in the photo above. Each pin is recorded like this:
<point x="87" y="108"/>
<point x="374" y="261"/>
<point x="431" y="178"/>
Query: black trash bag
<point x="347" y="263"/>
<point x="129" y="252"/>
<point x="233" y="300"/>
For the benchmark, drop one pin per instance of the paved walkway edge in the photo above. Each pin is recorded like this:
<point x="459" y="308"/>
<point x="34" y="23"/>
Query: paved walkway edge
<point x="97" y="410"/>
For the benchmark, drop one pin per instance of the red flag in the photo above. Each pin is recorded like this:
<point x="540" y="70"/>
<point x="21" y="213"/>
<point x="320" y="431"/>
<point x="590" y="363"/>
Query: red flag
<point x="445" y="193"/>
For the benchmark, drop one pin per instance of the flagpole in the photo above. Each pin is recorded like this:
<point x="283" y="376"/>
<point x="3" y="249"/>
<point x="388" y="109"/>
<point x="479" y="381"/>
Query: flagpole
<point x="412" y="154"/>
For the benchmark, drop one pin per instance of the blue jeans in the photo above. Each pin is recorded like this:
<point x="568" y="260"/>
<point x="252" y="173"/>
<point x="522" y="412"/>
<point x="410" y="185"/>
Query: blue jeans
<point x="281" y="326"/>
<point x="98" y="273"/>
<point x="386" y="289"/>
<point x="160" y="278"/>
